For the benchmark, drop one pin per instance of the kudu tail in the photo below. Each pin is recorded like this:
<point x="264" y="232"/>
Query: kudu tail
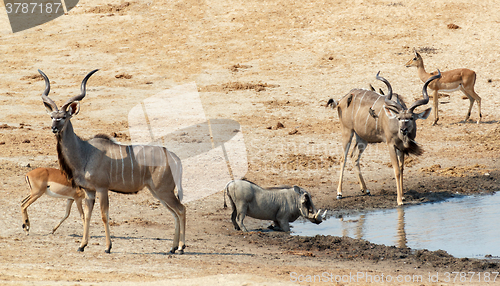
<point x="331" y="102"/>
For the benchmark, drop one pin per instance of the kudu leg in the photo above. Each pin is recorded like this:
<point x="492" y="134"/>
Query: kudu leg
<point x="104" y="203"/>
<point x="401" y="161"/>
<point x="178" y="210"/>
<point x="346" y="144"/>
<point x="89" y="207"/>
<point x="398" y="173"/>
<point x="66" y="215"/>
<point x="180" y="229"/>
<point x="356" y="156"/>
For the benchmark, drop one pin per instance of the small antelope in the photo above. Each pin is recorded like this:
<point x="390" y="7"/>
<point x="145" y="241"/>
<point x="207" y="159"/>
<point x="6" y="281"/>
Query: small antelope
<point x="450" y="81"/>
<point x="100" y="164"/>
<point x="375" y="118"/>
<point x="53" y="183"/>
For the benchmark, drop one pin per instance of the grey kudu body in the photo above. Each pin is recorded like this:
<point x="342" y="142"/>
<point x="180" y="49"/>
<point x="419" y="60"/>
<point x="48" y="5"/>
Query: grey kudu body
<point x="374" y="118"/>
<point x="99" y="165"/>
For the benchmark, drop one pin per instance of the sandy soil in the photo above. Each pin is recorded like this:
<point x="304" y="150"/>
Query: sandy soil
<point x="271" y="66"/>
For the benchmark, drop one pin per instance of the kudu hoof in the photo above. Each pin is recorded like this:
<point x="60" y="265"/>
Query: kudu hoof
<point x="81" y="249"/>
<point x="108" y="251"/>
<point x="339" y="197"/>
<point x="180" y="250"/>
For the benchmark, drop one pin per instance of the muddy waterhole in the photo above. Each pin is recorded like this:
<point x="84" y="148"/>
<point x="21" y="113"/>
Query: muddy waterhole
<point x="462" y="226"/>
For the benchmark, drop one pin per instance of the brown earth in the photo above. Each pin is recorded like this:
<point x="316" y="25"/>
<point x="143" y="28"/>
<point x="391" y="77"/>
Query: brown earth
<point x="271" y="66"/>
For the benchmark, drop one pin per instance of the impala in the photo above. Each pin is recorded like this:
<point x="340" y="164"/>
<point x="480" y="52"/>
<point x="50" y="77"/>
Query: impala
<point x="375" y="118"/>
<point x="450" y="81"/>
<point x="53" y="183"/>
<point x="100" y="164"/>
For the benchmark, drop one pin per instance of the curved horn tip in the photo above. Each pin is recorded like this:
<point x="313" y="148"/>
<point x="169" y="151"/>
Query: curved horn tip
<point x="42" y="73"/>
<point x="91" y="73"/>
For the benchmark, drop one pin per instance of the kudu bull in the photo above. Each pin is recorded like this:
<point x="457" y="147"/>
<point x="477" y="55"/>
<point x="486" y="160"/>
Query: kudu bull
<point x="360" y="113"/>
<point x="100" y="164"/>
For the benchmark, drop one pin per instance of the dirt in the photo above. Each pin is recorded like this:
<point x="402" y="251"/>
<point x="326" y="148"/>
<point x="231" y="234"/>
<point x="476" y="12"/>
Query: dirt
<point x="271" y="66"/>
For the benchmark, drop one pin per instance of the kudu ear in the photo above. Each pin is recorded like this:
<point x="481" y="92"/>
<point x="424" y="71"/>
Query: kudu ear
<point x="48" y="108"/>
<point x="74" y="108"/>
<point x="391" y="113"/>
<point x="424" y="114"/>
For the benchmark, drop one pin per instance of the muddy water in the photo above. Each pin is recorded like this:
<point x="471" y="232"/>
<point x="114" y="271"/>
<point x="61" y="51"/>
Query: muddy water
<point x="463" y="226"/>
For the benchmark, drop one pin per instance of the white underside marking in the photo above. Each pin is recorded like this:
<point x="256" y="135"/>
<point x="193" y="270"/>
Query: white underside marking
<point x="131" y="163"/>
<point x="55" y="195"/>
<point x="451" y="90"/>
<point x="123" y="166"/>
<point x="378" y="115"/>
<point x="366" y="123"/>
<point x="144" y="165"/>
<point x="111" y="164"/>
<point x="359" y="106"/>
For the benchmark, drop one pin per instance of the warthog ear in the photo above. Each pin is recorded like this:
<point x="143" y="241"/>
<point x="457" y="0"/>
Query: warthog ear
<point x="297" y="189"/>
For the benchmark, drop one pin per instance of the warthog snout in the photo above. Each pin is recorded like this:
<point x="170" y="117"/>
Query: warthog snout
<point x="317" y="218"/>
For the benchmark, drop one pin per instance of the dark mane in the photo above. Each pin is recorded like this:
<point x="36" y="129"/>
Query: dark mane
<point x="400" y="100"/>
<point x="120" y="192"/>
<point x="413" y="149"/>
<point x="268" y="188"/>
<point x="63" y="165"/>
<point x="104" y="136"/>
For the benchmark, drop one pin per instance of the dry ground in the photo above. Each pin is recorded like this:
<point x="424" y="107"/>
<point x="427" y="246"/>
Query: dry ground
<point x="260" y="63"/>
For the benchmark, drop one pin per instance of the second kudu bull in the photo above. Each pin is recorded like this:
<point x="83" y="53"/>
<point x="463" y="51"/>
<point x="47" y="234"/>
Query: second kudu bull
<point x="374" y="118"/>
<point x="100" y="164"/>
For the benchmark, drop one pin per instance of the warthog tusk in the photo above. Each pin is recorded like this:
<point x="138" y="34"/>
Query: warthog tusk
<point x="317" y="214"/>
<point x="323" y="216"/>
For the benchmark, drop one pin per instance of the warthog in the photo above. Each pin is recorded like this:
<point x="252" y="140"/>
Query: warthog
<point x="281" y="205"/>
